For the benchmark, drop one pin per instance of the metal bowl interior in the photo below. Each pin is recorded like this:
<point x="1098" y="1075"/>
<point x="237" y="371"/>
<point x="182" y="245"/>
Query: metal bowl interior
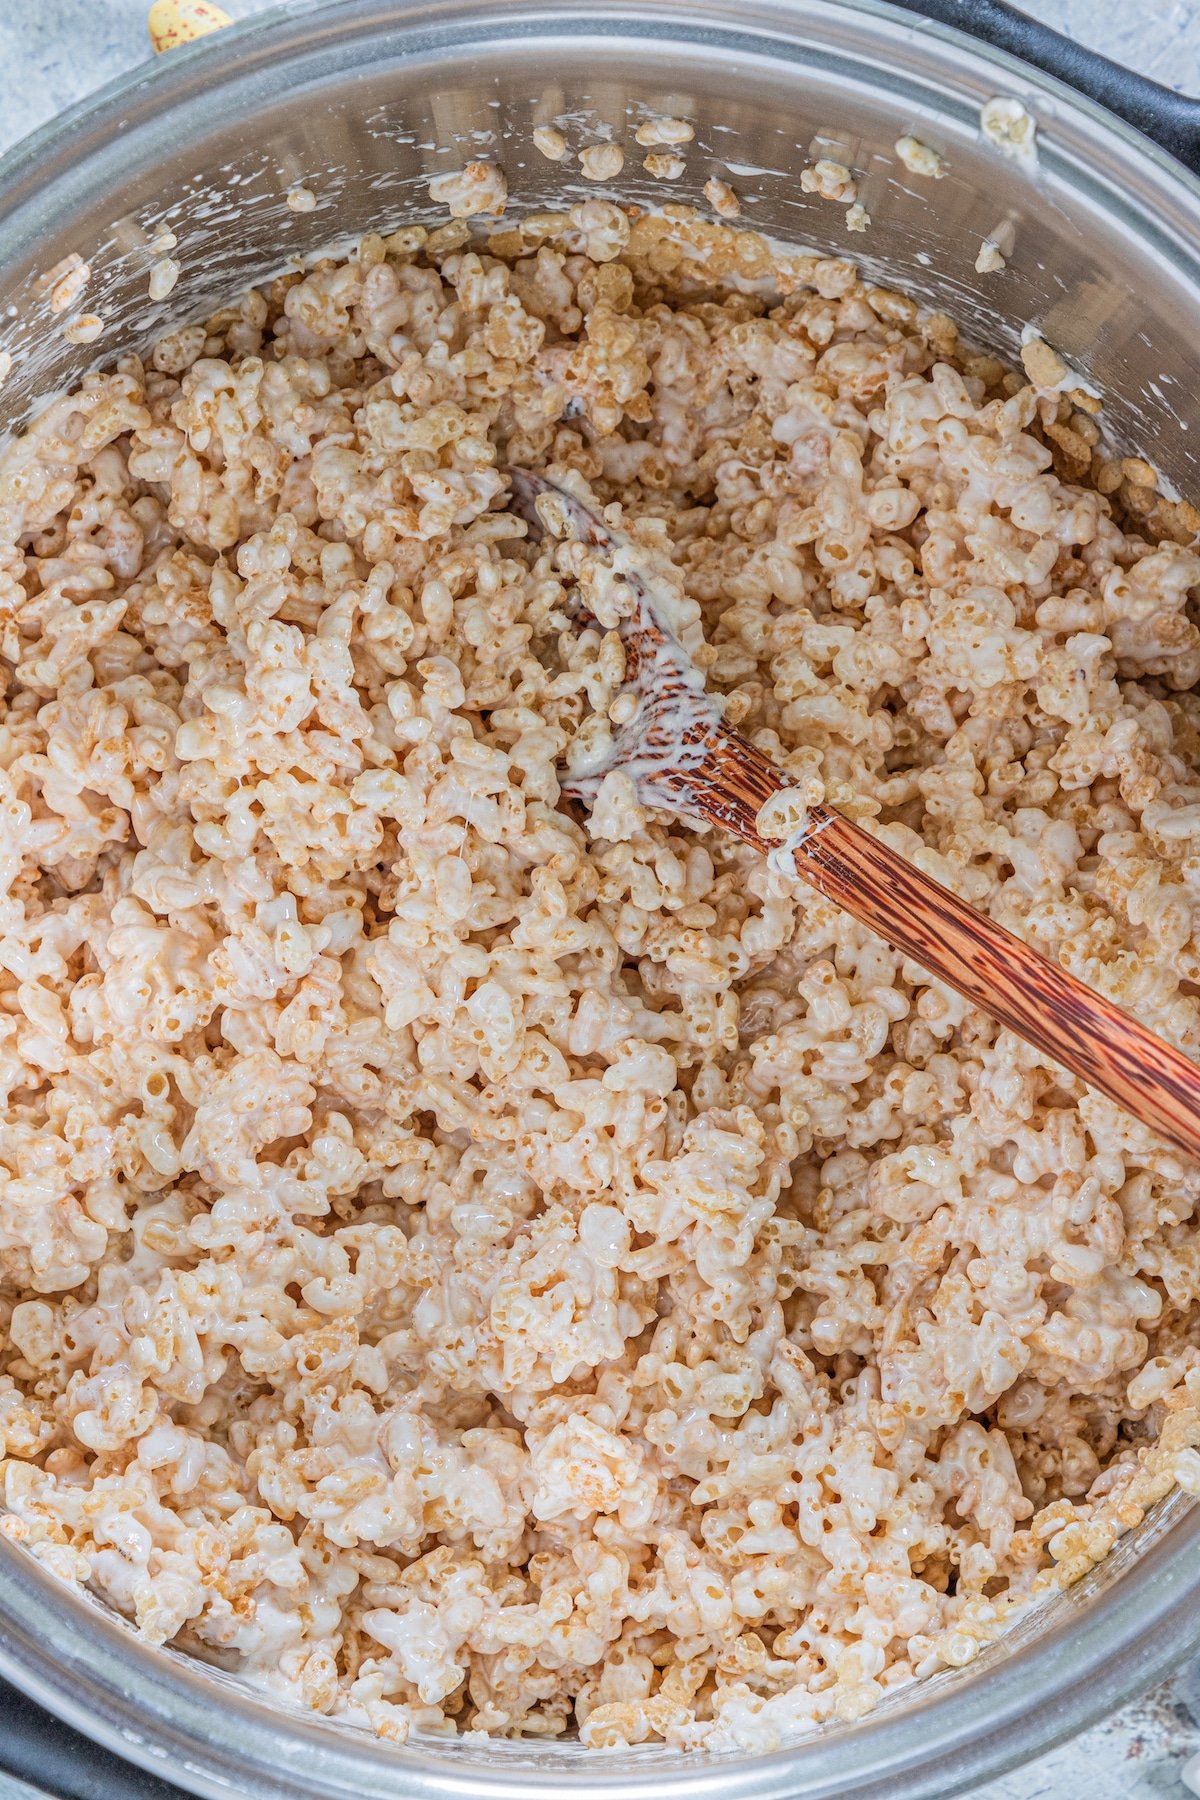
<point x="362" y="102"/>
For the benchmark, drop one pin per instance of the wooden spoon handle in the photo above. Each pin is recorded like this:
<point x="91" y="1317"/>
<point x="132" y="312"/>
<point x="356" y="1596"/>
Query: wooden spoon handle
<point x="687" y="759"/>
<point x="1041" y="1002"/>
<point x="979" y="959"/>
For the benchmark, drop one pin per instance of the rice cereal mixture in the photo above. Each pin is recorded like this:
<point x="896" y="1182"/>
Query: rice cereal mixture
<point x="475" y="1264"/>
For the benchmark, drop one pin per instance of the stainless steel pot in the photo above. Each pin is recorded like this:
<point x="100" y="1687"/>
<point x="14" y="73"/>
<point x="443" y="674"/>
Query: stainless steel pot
<point x="363" y="101"/>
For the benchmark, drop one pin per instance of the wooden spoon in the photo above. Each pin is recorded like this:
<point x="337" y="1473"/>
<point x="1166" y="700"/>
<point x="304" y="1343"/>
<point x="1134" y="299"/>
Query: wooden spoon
<point x="681" y="756"/>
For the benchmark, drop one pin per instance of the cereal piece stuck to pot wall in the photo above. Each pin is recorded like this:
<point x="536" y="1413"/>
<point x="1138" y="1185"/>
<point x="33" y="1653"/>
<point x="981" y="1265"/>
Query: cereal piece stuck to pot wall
<point x="664" y="165"/>
<point x="831" y="180"/>
<point x="478" y="188"/>
<point x="550" y="141"/>
<point x="70" y="283"/>
<point x="721" y="198"/>
<point x="84" y="329"/>
<point x="1006" y="124"/>
<point x="664" y="131"/>
<point x="920" y="159"/>
<point x="602" y="162"/>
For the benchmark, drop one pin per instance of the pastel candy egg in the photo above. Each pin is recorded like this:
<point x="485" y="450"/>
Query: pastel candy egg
<point x="174" y="22"/>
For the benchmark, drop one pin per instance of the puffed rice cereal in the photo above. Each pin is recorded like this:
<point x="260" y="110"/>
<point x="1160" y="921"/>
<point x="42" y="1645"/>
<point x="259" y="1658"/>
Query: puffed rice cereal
<point x="68" y="289"/>
<point x="664" y="165"/>
<point x="1010" y="127"/>
<point x="478" y="187"/>
<point x="475" y="1264"/>
<point x="164" y="274"/>
<point x="550" y="141"/>
<point x="601" y="162"/>
<point x="84" y="328"/>
<point x="721" y="198"/>
<point x="920" y="159"/>
<point x="830" y="180"/>
<point x="664" y="131"/>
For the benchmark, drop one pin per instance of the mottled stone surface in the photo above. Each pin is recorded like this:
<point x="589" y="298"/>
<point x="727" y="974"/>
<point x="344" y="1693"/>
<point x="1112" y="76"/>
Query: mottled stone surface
<point x="56" y="51"/>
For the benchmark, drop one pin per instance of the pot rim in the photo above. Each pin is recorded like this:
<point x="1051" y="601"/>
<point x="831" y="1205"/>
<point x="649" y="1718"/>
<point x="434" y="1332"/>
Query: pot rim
<point x="158" y="1707"/>
<point x="190" y="1724"/>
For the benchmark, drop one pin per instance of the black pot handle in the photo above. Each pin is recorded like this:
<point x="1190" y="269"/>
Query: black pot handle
<point x="1171" y="119"/>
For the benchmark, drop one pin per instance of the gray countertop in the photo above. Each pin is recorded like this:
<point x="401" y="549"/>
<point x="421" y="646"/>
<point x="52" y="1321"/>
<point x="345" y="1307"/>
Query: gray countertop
<point x="56" y="51"/>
